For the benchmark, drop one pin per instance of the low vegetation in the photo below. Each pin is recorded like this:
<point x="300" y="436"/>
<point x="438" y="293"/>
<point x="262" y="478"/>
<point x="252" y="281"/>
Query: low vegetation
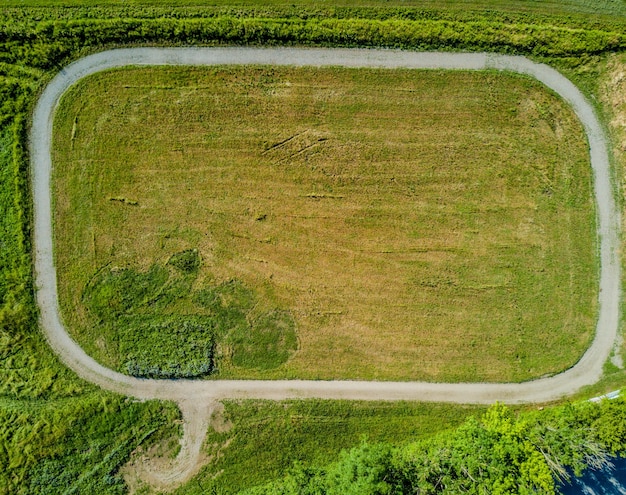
<point x="415" y="224"/>
<point x="59" y="434"/>
<point x="76" y="444"/>
<point x="266" y="438"/>
<point x="498" y="453"/>
<point x="155" y="326"/>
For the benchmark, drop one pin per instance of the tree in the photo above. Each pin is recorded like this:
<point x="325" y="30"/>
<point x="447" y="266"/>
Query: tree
<point x="365" y="470"/>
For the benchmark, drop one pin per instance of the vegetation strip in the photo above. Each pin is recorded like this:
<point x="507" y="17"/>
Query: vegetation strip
<point x="587" y="371"/>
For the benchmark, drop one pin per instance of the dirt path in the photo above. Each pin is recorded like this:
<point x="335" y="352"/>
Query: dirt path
<point x="197" y="398"/>
<point x="165" y="474"/>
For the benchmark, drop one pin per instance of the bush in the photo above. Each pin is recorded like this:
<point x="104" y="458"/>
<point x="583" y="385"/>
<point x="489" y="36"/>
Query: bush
<point x="167" y="346"/>
<point x="187" y="262"/>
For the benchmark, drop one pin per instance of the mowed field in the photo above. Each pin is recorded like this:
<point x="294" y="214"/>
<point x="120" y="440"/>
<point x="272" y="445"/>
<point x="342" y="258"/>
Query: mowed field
<point x="418" y="225"/>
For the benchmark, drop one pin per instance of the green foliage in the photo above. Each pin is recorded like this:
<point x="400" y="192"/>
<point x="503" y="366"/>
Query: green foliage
<point x="167" y="346"/>
<point x="494" y="453"/>
<point x="572" y="13"/>
<point x="141" y="314"/>
<point x="607" y="422"/>
<point x="187" y="261"/>
<point x="151" y="343"/>
<point x="499" y="454"/>
<point x="46" y="43"/>
<point x="364" y="470"/>
<point x="267" y="437"/>
<point x="28" y="370"/>
<point x="77" y="445"/>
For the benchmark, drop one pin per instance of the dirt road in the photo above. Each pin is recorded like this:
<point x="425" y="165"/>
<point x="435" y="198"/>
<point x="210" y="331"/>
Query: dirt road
<point x="587" y="371"/>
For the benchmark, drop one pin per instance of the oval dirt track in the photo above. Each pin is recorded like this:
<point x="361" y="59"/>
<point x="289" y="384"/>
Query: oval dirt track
<point x="587" y="371"/>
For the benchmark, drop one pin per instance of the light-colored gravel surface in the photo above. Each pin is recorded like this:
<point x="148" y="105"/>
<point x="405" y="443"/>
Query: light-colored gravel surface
<point x="587" y="371"/>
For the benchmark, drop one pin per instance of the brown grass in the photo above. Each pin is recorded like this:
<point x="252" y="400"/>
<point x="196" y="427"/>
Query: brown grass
<point x="427" y="225"/>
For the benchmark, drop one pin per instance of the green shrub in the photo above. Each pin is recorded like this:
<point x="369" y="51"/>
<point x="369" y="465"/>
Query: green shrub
<point x="498" y="453"/>
<point x="187" y="261"/>
<point x="167" y="346"/>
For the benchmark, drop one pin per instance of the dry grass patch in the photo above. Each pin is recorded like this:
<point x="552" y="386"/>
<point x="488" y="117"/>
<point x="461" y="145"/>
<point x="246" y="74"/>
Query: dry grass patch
<point x="419" y="225"/>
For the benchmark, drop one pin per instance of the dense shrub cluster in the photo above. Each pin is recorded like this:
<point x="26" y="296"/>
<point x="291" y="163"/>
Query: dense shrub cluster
<point x="67" y="37"/>
<point x="48" y="37"/>
<point x="167" y="346"/>
<point x="155" y="340"/>
<point x="500" y="454"/>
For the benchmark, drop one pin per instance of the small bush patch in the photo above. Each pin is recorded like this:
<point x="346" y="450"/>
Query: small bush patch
<point x="160" y="327"/>
<point x="170" y="346"/>
<point x="187" y="261"/>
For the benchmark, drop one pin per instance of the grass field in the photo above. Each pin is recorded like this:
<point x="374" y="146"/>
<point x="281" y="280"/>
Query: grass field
<point x="268" y="437"/>
<point x="58" y="434"/>
<point x="418" y="233"/>
<point x="605" y="7"/>
<point x="417" y="225"/>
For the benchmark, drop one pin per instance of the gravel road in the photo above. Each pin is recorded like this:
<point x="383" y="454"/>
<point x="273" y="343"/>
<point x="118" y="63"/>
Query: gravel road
<point x="587" y="371"/>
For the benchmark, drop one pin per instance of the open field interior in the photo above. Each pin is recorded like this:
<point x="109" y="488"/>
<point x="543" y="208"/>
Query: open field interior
<point x="413" y="225"/>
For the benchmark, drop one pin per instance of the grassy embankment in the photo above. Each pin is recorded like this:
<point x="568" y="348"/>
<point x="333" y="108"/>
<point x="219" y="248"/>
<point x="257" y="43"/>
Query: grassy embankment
<point x="424" y="225"/>
<point x="267" y="438"/>
<point x="35" y="42"/>
<point x="543" y="7"/>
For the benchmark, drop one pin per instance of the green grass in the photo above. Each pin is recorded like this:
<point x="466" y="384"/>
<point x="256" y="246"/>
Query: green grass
<point x="77" y="444"/>
<point x="267" y="437"/>
<point x="445" y="218"/>
<point x="605" y="7"/>
<point x="37" y="391"/>
<point x="156" y="325"/>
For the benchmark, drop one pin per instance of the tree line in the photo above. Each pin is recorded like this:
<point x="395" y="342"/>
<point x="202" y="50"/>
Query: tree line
<point x="500" y="453"/>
